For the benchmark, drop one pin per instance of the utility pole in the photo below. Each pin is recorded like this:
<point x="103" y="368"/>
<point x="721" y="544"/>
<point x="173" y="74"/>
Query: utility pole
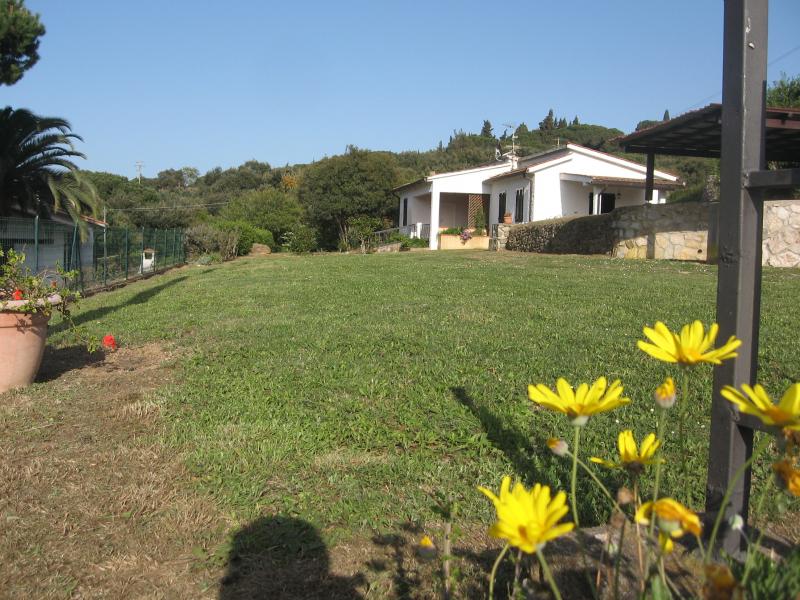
<point x="139" y="165"/>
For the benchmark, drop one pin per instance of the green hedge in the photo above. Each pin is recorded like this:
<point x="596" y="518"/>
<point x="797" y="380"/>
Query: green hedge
<point x="569" y="235"/>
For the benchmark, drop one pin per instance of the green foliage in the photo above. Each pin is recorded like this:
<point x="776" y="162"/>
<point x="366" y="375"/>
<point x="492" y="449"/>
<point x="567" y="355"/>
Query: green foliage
<point x="20" y="30"/>
<point x="548" y="123"/>
<point x="267" y="208"/>
<point x="480" y="221"/>
<point x="300" y="239"/>
<point x="486" y="130"/>
<point x="360" y="230"/>
<point x="785" y="92"/>
<point x="36" y="171"/>
<point x="205" y="238"/>
<point x="247" y="235"/>
<point x="769" y="579"/>
<point x="452" y="231"/>
<point x="356" y="183"/>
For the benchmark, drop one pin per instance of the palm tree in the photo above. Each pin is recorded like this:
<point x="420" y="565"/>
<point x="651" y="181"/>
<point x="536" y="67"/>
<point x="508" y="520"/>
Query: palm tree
<point x="37" y="175"/>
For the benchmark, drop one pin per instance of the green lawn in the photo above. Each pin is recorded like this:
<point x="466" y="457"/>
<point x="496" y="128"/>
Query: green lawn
<point x="353" y="391"/>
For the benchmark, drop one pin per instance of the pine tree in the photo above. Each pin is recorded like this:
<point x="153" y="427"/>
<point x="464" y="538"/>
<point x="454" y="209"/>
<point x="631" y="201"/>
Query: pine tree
<point x="486" y="130"/>
<point x="575" y="121"/>
<point x="548" y="123"/>
<point x="666" y="115"/>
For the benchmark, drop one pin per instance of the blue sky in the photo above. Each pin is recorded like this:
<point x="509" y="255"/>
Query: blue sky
<point x="199" y="83"/>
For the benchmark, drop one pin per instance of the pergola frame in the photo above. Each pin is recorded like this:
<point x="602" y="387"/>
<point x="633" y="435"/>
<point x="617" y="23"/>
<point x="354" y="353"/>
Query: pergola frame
<point x="743" y="133"/>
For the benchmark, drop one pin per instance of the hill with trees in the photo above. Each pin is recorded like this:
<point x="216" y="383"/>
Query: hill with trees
<point x="314" y="205"/>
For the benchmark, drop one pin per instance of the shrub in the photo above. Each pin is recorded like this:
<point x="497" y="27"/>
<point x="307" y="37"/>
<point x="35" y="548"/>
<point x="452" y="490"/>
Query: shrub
<point x="452" y="231"/>
<point x="359" y="231"/>
<point x="209" y="239"/>
<point x="300" y="239"/>
<point x="248" y="235"/>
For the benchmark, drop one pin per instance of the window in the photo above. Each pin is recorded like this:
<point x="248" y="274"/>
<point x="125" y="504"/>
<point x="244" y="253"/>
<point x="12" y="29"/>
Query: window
<point x="591" y="203"/>
<point x="501" y="204"/>
<point x="405" y="211"/>
<point x="520" y="201"/>
<point x="607" y="202"/>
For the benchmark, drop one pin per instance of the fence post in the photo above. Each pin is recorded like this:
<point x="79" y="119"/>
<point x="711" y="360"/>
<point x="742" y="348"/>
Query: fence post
<point x="141" y="258"/>
<point x="105" y="255"/>
<point x="36" y="243"/>
<point x="127" y="253"/>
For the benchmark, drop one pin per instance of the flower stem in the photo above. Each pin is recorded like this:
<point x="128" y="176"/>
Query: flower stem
<point x="681" y="429"/>
<point x="548" y="575"/>
<point x="594" y="477"/>
<point x="662" y="420"/>
<point x="728" y="492"/>
<point x="494" y="570"/>
<point x="574" y="480"/>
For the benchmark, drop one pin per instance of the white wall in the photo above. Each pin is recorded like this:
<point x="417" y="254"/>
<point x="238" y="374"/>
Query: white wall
<point x="471" y="181"/>
<point x="554" y="198"/>
<point x="509" y="185"/>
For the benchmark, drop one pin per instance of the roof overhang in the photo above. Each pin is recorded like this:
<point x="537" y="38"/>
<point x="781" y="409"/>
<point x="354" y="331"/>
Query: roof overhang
<point x="659" y="184"/>
<point x="699" y="133"/>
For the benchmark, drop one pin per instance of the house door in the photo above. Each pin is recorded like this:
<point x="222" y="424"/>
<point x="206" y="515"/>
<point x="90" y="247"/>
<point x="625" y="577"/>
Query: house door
<point x="607" y="202"/>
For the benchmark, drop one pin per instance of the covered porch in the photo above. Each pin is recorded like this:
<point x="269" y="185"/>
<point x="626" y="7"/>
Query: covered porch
<point x="448" y="200"/>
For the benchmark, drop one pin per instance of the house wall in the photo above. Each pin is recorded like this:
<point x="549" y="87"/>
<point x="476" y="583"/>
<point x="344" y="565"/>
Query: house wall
<point x="509" y="185"/>
<point x="555" y="198"/>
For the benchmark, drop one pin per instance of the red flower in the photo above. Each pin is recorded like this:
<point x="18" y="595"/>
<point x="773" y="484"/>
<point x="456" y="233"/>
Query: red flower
<point x="109" y="342"/>
<point x="17" y="294"/>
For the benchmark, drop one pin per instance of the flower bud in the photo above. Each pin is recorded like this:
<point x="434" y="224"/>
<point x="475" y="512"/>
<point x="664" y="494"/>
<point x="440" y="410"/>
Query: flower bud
<point x="426" y="549"/>
<point x="736" y="522"/>
<point x="558" y="447"/>
<point x="624" y="496"/>
<point x="665" y="394"/>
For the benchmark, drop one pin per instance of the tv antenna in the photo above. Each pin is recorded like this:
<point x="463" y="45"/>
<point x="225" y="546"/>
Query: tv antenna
<point x="513" y="128"/>
<point x="139" y="165"/>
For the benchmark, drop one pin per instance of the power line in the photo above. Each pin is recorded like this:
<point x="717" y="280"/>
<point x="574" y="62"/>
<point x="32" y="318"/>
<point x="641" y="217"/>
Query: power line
<point x="716" y="94"/>
<point x="170" y="207"/>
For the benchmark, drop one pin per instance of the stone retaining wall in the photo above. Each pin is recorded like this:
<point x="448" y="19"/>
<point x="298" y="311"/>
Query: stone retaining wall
<point x="673" y="231"/>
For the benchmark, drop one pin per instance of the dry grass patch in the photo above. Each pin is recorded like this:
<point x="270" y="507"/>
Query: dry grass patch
<point x="90" y="502"/>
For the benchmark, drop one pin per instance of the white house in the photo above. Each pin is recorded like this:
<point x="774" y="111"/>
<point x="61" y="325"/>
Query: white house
<point x="565" y="181"/>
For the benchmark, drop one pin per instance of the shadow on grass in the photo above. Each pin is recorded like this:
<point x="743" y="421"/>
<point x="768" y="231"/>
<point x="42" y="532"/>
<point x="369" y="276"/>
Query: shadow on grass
<point x="282" y="558"/>
<point x="57" y="361"/>
<point x="102" y="311"/>
<point x="514" y="444"/>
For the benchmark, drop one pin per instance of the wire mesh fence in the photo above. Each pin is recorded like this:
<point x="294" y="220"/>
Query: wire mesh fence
<point x="101" y="255"/>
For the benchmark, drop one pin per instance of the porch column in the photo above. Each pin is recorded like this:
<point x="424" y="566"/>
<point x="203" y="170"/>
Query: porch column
<point x="648" y="178"/>
<point x="433" y="242"/>
<point x="596" y="191"/>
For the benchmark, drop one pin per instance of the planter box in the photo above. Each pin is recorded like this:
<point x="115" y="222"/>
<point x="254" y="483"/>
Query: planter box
<point x="454" y="242"/>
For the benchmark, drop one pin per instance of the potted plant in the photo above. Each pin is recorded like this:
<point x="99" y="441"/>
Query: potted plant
<point x="507" y="218"/>
<point x="27" y="302"/>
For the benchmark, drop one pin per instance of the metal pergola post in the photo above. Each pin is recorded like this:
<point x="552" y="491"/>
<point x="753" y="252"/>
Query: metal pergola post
<point x="740" y="231"/>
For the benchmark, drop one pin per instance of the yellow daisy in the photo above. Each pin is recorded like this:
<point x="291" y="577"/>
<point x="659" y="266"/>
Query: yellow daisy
<point x="755" y="401"/>
<point x="528" y="519"/>
<point x="790" y="476"/>
<point x="631" y="457"/>
<point x="672" y="518"/>
<point x="689" y="347"/>
<point x="581" y="403"/>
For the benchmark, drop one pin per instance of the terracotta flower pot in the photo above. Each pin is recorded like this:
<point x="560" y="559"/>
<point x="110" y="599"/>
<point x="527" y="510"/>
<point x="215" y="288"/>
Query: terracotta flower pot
<point x="507" y="219"/>
<point x="22" y="340"/>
